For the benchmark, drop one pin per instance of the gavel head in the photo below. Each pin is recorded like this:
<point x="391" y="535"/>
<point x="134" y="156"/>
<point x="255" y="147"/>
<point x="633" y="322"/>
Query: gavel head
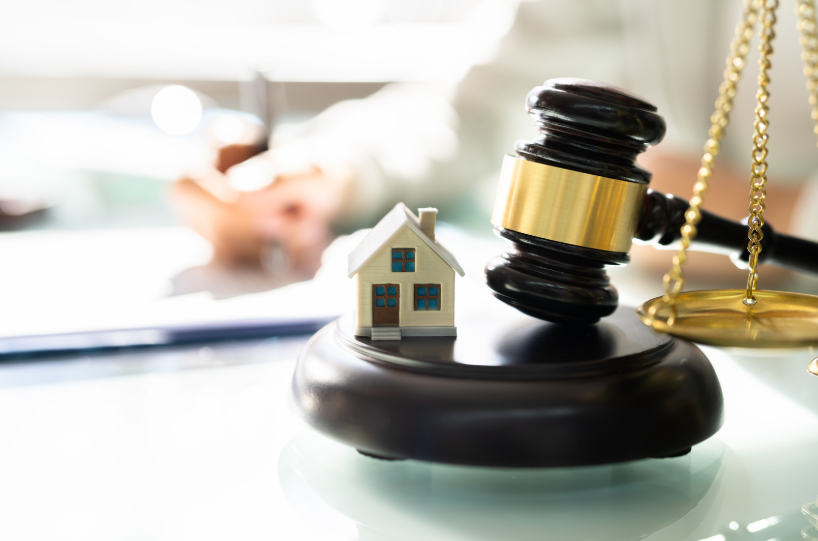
<point x="569" y="202"/>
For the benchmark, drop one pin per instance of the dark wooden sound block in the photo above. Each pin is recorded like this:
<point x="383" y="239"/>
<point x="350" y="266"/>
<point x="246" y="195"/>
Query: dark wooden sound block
<point x="513" y="392"/>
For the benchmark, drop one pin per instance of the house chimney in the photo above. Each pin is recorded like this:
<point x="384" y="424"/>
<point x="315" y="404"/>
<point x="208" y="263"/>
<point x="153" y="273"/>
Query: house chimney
<point x="427" y="221"/>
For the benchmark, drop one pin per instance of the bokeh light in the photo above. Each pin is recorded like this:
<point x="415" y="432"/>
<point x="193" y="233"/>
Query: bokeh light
<point x="176" y="110"/>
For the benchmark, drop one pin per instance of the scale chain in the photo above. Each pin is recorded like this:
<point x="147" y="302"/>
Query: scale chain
<point x="674" y="279"/>
<point x="758" y="177"/>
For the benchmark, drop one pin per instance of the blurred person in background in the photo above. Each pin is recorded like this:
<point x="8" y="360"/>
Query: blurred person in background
<point x="443" y="146"/>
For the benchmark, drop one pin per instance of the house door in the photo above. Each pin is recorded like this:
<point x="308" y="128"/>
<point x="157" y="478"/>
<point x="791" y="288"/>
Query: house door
<point x="385" y="304"/>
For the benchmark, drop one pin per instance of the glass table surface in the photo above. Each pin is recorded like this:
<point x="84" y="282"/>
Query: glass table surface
<point x="202" y="443"/>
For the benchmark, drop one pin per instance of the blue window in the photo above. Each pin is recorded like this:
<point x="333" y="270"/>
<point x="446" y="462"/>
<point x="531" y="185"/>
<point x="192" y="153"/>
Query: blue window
<point x="391" y="302"/>
<point x="403" y="260"/>
<point x="379" y="303"/>
<point x="427" y="296"/>
<point x="380" y="290"/>
<point x="392" y="290"/>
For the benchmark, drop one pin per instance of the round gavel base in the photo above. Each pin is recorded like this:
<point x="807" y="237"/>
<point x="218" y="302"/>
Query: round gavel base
<point x="511" y="393"/>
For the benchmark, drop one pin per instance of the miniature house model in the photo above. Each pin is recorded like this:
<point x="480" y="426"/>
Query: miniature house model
<point x="405" y="278"/>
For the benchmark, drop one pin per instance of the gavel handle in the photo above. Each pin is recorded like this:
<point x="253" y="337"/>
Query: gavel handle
<point x="663" y="216"/>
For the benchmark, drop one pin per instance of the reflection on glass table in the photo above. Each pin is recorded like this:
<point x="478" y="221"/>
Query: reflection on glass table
<point x="810" y="510"/>
<point x="416" y="500"/>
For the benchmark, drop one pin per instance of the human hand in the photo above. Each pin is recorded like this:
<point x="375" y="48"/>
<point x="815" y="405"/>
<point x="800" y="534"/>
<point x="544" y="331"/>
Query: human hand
<point x="274" y="201"/>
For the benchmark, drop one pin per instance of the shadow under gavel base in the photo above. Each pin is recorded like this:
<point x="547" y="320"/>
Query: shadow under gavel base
<point x="511" y="392"/>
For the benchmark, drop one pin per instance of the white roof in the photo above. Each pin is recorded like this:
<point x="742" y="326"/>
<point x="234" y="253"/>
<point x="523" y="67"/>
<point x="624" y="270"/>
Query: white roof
<point x="387" y="228"/>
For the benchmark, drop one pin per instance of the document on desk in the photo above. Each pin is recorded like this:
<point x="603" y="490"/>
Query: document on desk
<point x="176" y="320"/>
<point x="76" y="291"/>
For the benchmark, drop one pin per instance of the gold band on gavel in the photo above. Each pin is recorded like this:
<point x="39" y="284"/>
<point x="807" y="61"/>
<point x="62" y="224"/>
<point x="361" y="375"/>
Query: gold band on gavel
<point x="567" y="206"/>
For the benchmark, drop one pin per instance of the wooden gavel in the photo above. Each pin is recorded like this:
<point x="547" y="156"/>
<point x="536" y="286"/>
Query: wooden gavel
<point x="571" y="202"/>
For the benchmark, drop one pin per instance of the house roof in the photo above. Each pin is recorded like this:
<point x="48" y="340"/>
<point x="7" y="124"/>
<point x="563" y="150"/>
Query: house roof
<point x="387" y="228"/>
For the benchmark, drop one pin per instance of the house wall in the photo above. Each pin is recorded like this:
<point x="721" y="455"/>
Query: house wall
<point x="429" y="269"/>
